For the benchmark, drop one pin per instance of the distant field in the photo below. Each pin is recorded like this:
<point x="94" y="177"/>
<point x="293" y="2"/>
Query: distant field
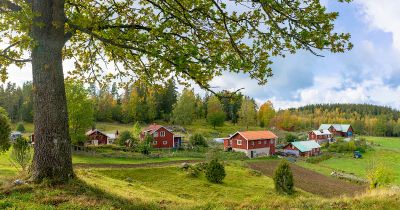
<point x="386" y="150"/>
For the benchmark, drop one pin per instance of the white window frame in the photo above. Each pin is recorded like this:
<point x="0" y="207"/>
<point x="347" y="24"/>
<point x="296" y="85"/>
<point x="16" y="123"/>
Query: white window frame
<point x="155" y="134"/>
<point x="162" y="133"/>
<point x="259" y="142"/>
<point x="239" y="142"/>
<point x="252" y="143"/>
<point x="265" y="141"/>
<point x="155" y="142"/>
<point x="272" y="141"/>
<point x="165" y="142"/>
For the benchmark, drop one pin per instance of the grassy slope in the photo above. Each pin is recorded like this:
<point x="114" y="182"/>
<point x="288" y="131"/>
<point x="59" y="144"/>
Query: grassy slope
<point x="7" y="170"/>
<point x="170" y="188"/>
<point x="386" y="150"/>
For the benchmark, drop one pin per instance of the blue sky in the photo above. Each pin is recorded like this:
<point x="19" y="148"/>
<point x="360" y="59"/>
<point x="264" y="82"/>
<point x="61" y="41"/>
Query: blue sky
<point x="370" y="73"/>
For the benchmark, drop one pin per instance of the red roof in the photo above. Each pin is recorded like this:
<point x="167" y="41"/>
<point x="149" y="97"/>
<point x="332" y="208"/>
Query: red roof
<point x="153" y="127"/>
<point x="257" y="135"/>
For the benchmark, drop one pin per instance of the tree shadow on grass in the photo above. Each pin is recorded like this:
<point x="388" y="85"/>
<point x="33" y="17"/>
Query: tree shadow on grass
<point x="74" y="195"/>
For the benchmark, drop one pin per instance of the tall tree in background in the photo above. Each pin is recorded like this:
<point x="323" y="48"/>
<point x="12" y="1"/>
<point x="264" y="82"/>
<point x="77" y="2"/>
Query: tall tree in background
<point x="5" y="131"/>
<point x="215" y="113"/>
<point x="184" y="110"/>
<point x="169" y="98"/>
<point x="80" y="110"/>
<point x="266" y="113"/>
<point x="248" y="113"/>
<point x="152" y="40"/>
<point x="231" y="102"/>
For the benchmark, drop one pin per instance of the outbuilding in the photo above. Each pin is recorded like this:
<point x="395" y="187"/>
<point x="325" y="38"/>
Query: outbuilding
<point x="303" y="148"/>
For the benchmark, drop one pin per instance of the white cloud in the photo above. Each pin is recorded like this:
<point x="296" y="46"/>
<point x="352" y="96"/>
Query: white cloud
<point x="383" y="15"/>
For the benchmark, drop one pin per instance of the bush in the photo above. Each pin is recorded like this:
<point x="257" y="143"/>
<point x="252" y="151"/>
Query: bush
<point x="20" y="127"/>
<point x="21" y="152"/>
<point x="318" y="159"/>
<point x="215" y="171"/>
<point x="144" y="146"/>
<point x="123" y="137"/>
<point x="379" y="175"/>
<point x="283" y="179"/>
<point x="197" y="140"/>
<point x="5" y="131"/>
<point x="290" y="138"/>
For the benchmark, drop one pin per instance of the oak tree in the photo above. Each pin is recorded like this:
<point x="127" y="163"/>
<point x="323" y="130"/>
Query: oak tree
<point x="150" y="40"/>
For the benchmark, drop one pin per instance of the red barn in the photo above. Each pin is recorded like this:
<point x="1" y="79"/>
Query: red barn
<point x="253" y="143"/>
<point x="163" y="138"/>
<point x="96" y="137"/>
<point x="303" y="148"/>
<point x="320" y="136"/>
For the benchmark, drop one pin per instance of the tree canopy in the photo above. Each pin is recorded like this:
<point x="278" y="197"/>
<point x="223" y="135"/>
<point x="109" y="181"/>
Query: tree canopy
<point x="148" y="40"/>
<point x="194" y="40"/>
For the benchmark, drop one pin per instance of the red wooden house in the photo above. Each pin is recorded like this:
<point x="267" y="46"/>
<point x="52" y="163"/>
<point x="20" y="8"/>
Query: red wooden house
<point x="253" y="143"/>
<point x="320" y="136"/>
<point x="162" y="137"/>
<point x="96" y="137"/>
<point x="303" y="148"/>
<point x="343" y="130"/>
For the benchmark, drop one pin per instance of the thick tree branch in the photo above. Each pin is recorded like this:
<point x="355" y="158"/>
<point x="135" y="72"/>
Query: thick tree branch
<point x="4" y="55"/>
<point x="9" y="5"/>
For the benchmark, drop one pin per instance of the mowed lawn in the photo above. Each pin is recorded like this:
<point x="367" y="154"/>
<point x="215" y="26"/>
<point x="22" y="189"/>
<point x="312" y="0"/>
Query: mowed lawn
<point x="386" y="151"/>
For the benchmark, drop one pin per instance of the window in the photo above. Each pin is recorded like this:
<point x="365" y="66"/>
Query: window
<point x="154" y="142"/>
<point x="239" y="142"/>
<point x="265" y="142"/>
<point x="259" y="142"/>
<point x="272" y="141"/>
<point x="155" y="134"/>
<point x="165" y="142"/>
<point x="162" y="133"/>
<point x="252" y="142"/>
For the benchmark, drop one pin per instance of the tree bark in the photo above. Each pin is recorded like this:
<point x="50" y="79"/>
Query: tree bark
<point x="52" y="158"/>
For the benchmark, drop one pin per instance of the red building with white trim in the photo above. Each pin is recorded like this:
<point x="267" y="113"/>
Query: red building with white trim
<point x="253" y="143"/>
<point x="162" y="137"/>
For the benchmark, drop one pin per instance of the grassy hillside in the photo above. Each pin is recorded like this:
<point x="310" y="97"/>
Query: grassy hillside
<point x="386" y="150"/>
<point x="170" y="188"/>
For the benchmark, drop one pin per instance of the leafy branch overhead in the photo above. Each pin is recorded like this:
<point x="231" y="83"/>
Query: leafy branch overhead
<point x="192" y="40"/>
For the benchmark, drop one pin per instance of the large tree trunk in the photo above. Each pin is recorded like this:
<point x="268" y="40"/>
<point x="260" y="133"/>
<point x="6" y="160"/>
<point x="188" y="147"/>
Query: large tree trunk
<point x="52" y="158"/>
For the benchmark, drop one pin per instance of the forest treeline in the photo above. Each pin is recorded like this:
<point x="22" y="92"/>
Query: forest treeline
<point x="146" y="103"/>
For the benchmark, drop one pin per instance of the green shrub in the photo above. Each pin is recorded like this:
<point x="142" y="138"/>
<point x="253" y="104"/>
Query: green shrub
<point x="21" y="152"/>
<point x="197" y="140"/>
<point x="290" y="138"/>
<point x="20" y="127"/>
<point x="215" y="171"/>
<point x="5" y="131"/>
<point x="283" y="179"/>
<point x="123" y="137"/>
<point x="379" y="175"/>
<point x="144" y="146"/>
<point x="318" y="159"/>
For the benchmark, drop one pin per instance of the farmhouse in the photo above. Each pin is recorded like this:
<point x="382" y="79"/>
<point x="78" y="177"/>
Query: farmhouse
<point x="343" y="130"/>
<point x="162" y="137"/>
<point x="303" y="148"/>
<point x="96" y="137"/>
<point x="320" y="136"/>
<point x="253" y="143"/>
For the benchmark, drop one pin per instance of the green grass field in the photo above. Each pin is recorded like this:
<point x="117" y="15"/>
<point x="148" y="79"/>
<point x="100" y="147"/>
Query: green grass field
<point x="386" y="151"/>
<point x="7" y="170"/>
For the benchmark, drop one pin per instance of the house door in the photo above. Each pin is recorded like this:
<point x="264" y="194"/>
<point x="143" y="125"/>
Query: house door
<point x="251" y="154"/>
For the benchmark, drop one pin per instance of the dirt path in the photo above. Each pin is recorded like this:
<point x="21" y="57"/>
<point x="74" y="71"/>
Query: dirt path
<point x="311" y="181"/>
<point x="138" y="165"/>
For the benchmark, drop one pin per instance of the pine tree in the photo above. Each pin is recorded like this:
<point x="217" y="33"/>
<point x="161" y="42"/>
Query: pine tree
<point x="283" y="179"/>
